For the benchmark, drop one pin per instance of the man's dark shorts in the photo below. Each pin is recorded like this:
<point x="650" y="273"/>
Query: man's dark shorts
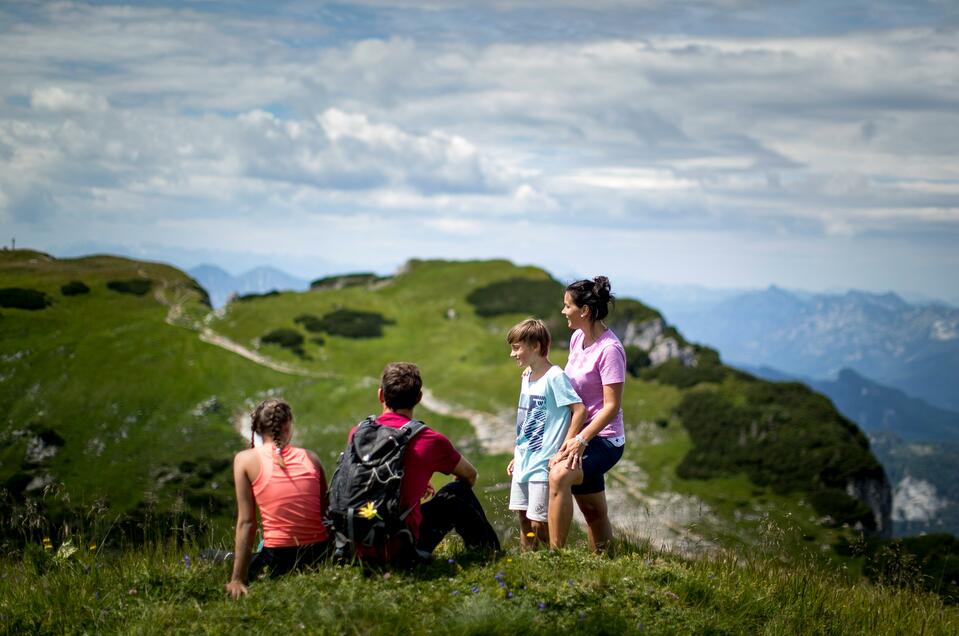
<point x="600" y="456"/>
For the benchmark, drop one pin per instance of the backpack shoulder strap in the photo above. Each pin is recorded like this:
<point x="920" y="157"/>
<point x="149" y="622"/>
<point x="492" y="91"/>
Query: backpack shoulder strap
<point x="414" y="427"/>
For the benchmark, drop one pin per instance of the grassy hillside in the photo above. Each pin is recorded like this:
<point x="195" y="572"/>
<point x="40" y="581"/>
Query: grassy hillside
<point x="141" y="395"/>
<point x="158" y="590"/>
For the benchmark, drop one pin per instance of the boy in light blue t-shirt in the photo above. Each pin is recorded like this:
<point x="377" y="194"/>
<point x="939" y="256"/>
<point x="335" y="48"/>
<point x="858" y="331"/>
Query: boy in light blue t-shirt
<point x="547" y="405"/>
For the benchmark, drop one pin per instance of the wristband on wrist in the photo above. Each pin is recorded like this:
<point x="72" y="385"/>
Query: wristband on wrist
<point x="579" y="438"/>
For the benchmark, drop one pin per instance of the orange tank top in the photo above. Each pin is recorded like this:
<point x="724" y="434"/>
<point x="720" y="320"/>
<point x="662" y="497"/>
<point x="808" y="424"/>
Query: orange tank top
<point x="292" y="501"/>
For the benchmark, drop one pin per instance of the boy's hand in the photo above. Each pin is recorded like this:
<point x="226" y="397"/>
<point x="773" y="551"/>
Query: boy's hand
<point x="509" y="467"/>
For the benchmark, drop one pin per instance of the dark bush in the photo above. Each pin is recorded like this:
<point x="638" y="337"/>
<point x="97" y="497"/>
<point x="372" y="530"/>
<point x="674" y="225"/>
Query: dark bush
<point x="783" y="436"/>
<point x="74" y="288"/>
<point x="348" y="323"/>
<point x="930" y="561"/>
<point x="636" y="360"/>
<point x="310" y="322"/>
<point x="674" y="372"/>
<point x="22" y="298"/>
<point x="539" y="298"/>
<point x="247" y="297"/>
<point x="339" y="281"/>
<point x="287" y="338"/>
<point x="135" y="286"/>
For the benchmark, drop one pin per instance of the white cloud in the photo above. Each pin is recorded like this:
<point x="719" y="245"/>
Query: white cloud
<point x="142" y="112"/>
<point x="58" y="99"/>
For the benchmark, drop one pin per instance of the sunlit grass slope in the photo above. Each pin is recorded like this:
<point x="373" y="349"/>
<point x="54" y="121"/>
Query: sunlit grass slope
<point x="145" y="411"/>
<point x="639" y="591"/>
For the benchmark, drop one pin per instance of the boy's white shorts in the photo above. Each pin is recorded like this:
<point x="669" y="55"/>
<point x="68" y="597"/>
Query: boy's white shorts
<point x="533" y="497"/>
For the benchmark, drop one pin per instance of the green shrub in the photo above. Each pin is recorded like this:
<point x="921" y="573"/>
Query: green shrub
<point x="247" y="297"/>
<point x="74" y="288"/>
<point x="22" y="298"/>
<point x="310" y="322"/>
<point x="348" y="323"/>
<point x="135" y="286"/>
<point x="339" y="281"/>
<point x="539" y="298"/>
<point x="782" y="435"/>
<point x="677" y="374"/>
<point x="636" y="360"/>
<point x="286" y="338"/>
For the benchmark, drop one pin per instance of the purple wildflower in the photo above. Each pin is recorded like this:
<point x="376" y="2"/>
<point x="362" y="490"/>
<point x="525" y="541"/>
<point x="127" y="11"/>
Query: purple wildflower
<point x="451" y="560"/>
<point x="186" y="560"/>
<point x="542" y="606"/>
<point x="509" y="595"/>
<point x="474" y="589"/>
<point x="456" y="592"/>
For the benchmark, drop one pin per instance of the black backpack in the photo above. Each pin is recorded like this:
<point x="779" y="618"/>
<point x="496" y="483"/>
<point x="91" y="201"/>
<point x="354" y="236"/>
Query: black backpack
<point x="365" y="507"/>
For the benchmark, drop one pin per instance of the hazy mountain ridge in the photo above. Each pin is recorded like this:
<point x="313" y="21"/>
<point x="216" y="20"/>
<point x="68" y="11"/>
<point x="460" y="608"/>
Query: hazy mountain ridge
<point x="221" y="284"/>
<point x="912" y="348"/>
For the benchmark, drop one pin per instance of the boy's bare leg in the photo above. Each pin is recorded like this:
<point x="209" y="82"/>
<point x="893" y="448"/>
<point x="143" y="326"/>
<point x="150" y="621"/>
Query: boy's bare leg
<point x="526" y="542"/>
<point x="560" y="515"/>
<point x="541" y="530"/>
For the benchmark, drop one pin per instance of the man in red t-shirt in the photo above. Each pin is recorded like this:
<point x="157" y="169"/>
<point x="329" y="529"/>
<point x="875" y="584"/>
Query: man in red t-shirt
<point x="454" y="507"/>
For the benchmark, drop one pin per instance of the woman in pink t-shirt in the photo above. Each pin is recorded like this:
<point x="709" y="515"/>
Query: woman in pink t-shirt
<point x="597" y="370"/>
<point x="287" y="484"/>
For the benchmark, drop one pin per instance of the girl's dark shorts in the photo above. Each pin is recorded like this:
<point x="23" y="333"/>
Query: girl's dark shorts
<point x="279" y="561"/>
<point x="599" y="457"/>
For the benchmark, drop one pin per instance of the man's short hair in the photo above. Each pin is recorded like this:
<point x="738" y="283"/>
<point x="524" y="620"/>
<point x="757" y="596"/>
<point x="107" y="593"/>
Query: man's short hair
<point x="401" y="384"/>
<point x="531" y="331"/>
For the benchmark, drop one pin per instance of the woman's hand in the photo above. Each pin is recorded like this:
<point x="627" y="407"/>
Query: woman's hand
<point x="236" y="589"/>
<point x="509" y="467"/>
<point x="574" y="456"/>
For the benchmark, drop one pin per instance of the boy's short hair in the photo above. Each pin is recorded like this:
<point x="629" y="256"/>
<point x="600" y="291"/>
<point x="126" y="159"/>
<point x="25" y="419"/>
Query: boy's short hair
<point x="401" y="384"/>
<point x="531" y="331"/>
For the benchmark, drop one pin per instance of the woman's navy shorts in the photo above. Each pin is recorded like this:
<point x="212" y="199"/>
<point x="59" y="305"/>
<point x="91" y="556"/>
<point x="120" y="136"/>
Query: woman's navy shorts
<point x="600" y="456"/>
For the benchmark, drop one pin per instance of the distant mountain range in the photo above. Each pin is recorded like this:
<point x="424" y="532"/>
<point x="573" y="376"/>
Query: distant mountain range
<point x="221" y="284"/>
<point x="914" y="348"/>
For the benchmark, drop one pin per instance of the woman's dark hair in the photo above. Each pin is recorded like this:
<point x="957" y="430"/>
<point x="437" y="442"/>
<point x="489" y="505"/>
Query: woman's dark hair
<point x="270" y="416"/>
<point x="595" y="294"/>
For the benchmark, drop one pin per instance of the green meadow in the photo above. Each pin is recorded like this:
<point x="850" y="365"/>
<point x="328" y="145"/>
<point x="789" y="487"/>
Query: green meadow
<point x="126" y="402"/>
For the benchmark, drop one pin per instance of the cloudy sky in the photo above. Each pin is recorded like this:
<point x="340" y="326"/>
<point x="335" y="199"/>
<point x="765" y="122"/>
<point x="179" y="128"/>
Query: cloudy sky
<point x="726" y="143"/>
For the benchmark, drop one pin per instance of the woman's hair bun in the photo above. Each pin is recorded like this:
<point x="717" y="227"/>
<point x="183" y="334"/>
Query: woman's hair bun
<point x="602" y="288"/>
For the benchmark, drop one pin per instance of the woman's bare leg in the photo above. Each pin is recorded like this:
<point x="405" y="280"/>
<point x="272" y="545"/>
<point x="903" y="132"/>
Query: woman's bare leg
<point x="596" y="513"/>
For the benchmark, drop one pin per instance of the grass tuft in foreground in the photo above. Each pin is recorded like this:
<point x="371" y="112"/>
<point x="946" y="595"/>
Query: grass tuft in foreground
<point x="163" y="589"/>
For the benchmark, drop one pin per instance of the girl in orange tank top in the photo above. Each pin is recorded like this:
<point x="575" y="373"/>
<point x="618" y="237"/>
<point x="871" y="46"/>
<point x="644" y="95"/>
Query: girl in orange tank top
<point x="288" y="486"/>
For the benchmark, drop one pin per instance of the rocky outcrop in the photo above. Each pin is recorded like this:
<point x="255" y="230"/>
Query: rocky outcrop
<point x="876" y="493"/>
<point x="653" y="337"/>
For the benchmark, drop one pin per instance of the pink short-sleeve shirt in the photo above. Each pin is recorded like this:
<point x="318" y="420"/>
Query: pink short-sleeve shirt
<point x="588" y="369"/>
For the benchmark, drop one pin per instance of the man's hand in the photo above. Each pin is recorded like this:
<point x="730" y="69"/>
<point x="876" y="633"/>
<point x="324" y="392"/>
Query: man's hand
<point x="509" y="467"/>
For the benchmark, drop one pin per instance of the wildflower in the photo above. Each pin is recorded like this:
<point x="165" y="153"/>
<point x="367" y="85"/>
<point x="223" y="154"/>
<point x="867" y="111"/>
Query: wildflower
<point x="451" y="560"/>
<point x="456" y="592"/>
<point x="93" y="546"/>
<point x="387" y="576"/>
<point x="186" y="560"/>
<point x="47" y="543"/>
<point x="672" y="595"/>
<point x="509" y="595"/>
<point x="530" y="534"/>
<point x="500" y="575"/>
<point x="569" y="582"/>
<point x="369" y="511"/>
<point x="474" y="589"/>
<point x="542" y="606"/>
